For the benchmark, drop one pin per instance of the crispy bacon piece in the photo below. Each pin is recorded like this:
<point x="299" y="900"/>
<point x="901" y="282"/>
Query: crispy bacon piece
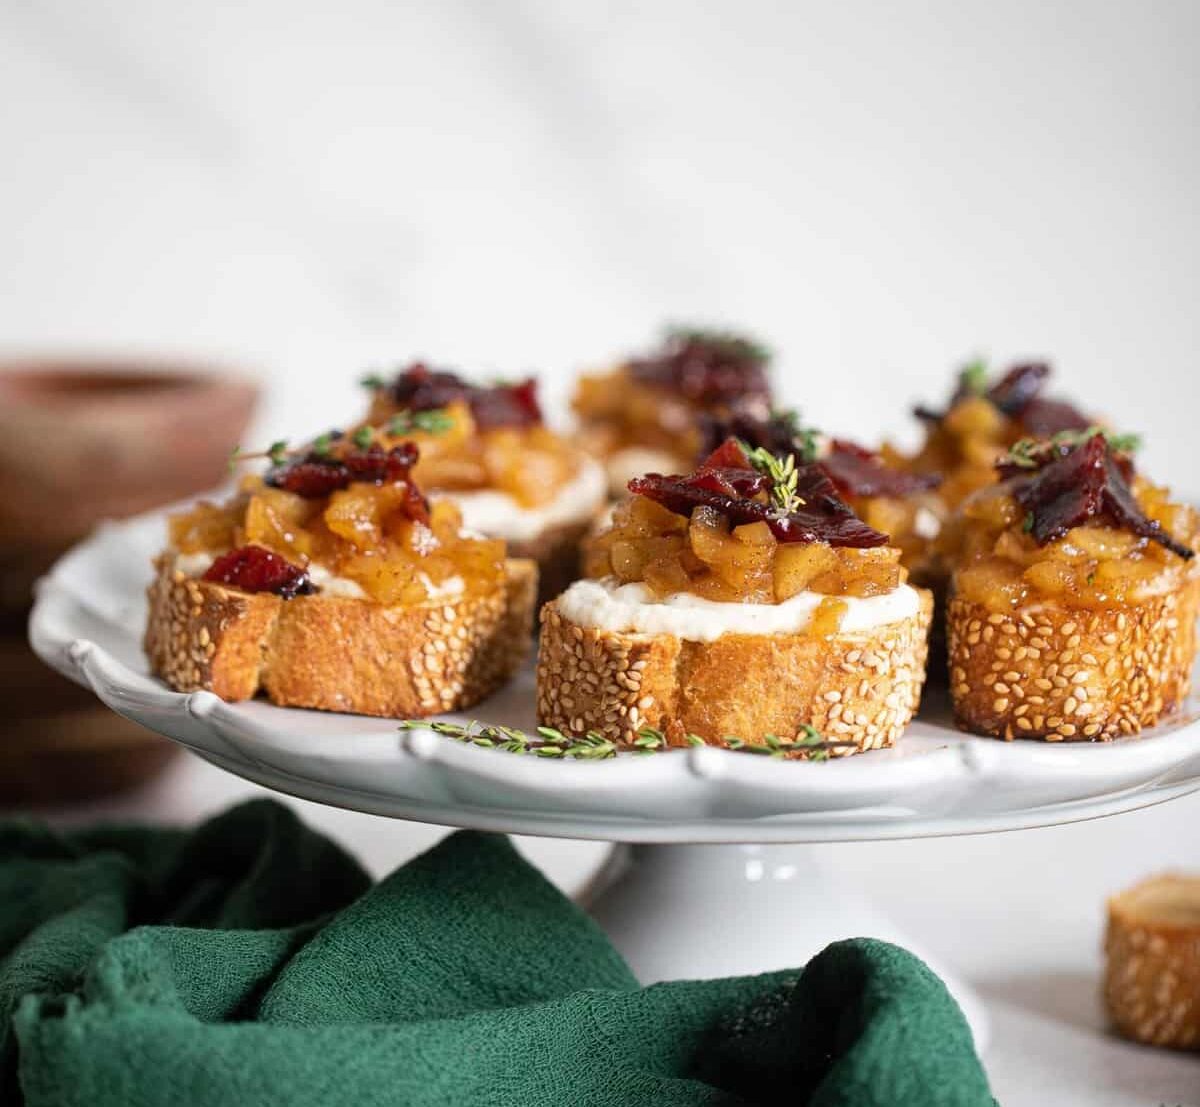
<point x="420" y="388"/>
<point x="1065" y="485"/>
<point x="257" y="569"/>
<point x="854" y="470"/>
<point x="727" y="483"/>
<point x="857" y="471"/>
<point x="316" y="475"/>
<point x="1017" y="395"/>
<point x="1013" y="392"/>
<point x="708" y="369"/>
<point x="1044" y="418"/>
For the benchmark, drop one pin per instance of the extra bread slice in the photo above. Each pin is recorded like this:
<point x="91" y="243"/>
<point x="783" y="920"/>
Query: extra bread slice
<point x="1152" y="977"/>
<point x="339" y="654"/>
<point x="1067" y="674"/>
<point x="861" y="688"/>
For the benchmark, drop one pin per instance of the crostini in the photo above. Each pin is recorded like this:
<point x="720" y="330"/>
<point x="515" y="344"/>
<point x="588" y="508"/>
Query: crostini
<point x="741" y="602"/>
<point x="644" y="416"/>
<point x="1073" y="605"/>
<point x="333" y="583"/>
<point x="1152" y="971"/>
<point x="488" y="450"/>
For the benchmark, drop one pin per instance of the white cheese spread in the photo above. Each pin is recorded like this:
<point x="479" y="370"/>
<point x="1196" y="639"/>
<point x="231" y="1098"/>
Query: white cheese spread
<point x="633" y="608"/>
<point x="498" y="515"/>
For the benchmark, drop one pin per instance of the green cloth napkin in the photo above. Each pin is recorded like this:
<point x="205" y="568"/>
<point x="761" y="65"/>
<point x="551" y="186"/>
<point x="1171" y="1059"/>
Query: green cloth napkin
<point x="252" y="962"/>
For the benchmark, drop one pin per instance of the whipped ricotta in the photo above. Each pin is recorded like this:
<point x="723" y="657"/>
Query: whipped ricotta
<point x="498" y="515"/>
<point x="633" y="608"/>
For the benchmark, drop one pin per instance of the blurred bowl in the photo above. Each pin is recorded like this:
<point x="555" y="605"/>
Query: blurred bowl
<point x="77" y="755"/>
<point x="85" y="440"/>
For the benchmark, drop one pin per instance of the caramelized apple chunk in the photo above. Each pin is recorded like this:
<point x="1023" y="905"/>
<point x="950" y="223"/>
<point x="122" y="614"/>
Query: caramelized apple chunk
<point x="207" y="526"/>
<point x="1097" y="564"/>
<point x="761" y="560"/>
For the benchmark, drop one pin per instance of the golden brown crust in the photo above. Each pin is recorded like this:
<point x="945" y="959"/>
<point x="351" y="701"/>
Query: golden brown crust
<point x="338" y="654"/>
<point x="557" y="553"/>
<point x="1152" y="975"/>
<point x="862" y="688"/>
<point x="1070" y="674"/>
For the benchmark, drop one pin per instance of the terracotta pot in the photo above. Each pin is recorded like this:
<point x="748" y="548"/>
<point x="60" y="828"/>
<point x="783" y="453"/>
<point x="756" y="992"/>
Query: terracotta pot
<point x="82" y="441"/>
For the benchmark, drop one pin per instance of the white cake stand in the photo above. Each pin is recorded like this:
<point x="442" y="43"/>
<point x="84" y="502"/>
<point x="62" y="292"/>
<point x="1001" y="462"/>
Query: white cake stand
<point x="711" y="845"/>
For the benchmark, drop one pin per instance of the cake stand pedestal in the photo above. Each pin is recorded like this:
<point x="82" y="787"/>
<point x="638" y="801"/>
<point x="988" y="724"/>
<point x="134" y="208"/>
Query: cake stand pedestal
<point x="680" y="911"/>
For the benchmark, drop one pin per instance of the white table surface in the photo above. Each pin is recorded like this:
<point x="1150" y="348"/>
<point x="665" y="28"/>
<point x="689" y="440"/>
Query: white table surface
<point x="1018" y="915"/>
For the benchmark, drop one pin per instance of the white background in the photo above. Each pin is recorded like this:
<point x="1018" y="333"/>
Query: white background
<point x="878" y="190"/>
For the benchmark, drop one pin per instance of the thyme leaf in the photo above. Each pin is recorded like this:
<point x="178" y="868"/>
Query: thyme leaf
<point x="784" y="477"/>
<point x="1024" y="453"/>
<point x="436" y="421"/>
<point x="974" y="377"/>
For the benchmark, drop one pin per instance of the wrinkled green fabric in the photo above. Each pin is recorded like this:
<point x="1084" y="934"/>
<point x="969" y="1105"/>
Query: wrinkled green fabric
<point x="251" y="962"/>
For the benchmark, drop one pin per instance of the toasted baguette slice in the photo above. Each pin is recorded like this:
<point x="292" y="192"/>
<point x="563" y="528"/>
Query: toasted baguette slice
<point x="1152" y="976"/>
<point x="861" y="688"/>
<point x="1069" y="674"/>
<point x="339" y="654"/>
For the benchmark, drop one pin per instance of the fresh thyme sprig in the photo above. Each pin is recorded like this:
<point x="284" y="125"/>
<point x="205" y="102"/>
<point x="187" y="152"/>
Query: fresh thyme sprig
<point x="784" y="477"/>
<point x="1024" y="453"/>
<point x="276" y="453"/>
<point x="974" y="377"/>
<point x="402" y="423"/>
<point x="436" y="421"/>
<point x="593" y="746"/>
<point x="546" y="742"/>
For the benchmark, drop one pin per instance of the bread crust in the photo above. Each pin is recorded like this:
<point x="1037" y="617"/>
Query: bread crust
<point x="338" y="654"/>
<point x="1071" y="674"/>
<point x="1152" y="972"/>
<point x="861" y="688"/>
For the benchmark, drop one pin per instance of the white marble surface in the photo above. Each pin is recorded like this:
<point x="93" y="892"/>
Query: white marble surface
<point x="1019" y="916"/>
<point x="308" y="189"/>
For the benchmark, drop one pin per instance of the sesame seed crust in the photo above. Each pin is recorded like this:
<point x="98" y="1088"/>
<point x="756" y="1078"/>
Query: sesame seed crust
<point x="337" y="654"/>
<point x="1070" y="674"/>
<point x="862" y="688"/>
<point x="1152" y="971"/>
